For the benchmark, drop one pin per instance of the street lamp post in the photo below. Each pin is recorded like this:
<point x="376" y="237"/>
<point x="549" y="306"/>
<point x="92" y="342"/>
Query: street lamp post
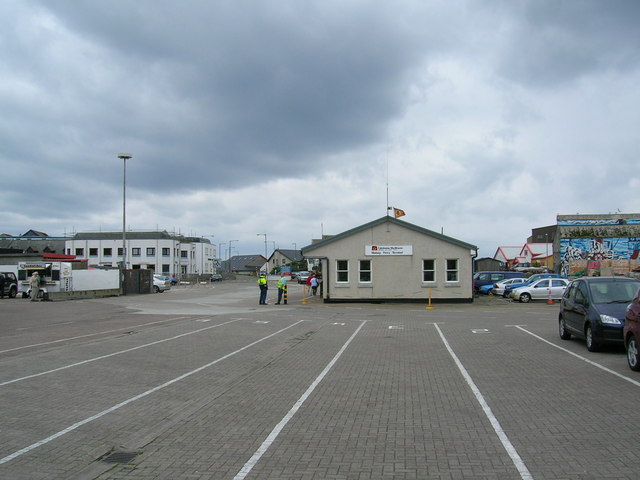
<point x="124" y="157"/>
<point x="219" y="252"/>
<point x="229" y="257"/>
<point x="265" y="249"/>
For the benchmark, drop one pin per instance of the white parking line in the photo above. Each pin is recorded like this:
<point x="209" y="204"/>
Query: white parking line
<point x="584" y="359"/>
<point x="102" y="357"/>
<point x="246" y="469"/>
<point x="77" y="425"/>
<point x="506" y="443"/>
<point x="85" y="336"/>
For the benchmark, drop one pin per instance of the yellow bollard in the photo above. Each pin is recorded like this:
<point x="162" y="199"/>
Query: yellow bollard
<point x="429" y="307"/>
<point x="304" y="295"/>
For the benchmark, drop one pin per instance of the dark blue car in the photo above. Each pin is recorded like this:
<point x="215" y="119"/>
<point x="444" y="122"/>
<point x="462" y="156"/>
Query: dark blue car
<point x="594" y="308"/>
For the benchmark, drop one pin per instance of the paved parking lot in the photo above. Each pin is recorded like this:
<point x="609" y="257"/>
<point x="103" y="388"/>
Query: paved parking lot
<point x="202" y="383"/>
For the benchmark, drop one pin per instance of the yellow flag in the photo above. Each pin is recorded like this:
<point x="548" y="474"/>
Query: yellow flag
<point x="398" y="213"/>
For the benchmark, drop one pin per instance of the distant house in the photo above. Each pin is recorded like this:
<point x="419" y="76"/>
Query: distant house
<point x="393" y="260"/>
<point x="536" y="254"/>
<point x="507" y="255"/>
<point x="281" y="257"/>
<point x="487" y="264"/>
<point x="32" y="244"/>
<point x="246" y="263"/>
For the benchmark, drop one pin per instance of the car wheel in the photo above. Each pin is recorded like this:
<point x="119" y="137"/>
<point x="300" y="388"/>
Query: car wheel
<point x="13" y="292"/>
<point x="490" y="291"/>
<point x="592" y="344"/>
<point x="633" y="354"/>
<point x="525" y="298"/>
<point x="562" y="330"/>
<point x="156" y="289"/>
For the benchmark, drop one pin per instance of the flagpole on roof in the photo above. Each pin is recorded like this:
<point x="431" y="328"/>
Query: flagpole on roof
<point x="388" y="208"/>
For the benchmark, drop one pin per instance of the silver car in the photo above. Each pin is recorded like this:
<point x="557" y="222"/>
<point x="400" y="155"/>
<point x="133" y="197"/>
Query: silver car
<point x="543" y="289"/>
<point x="161" y="283"/>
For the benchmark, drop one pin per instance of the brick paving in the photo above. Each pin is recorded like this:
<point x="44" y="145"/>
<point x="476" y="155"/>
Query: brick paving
<point x="393" y="406"/>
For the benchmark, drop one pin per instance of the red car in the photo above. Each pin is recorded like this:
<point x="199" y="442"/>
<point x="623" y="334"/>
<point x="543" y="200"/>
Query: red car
<point x="632" y="333"/>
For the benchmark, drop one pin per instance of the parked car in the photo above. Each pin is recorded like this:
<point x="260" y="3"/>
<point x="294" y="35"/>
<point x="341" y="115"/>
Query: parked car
<point x="528" y="281"/>
<point x="489" y="278"/>
<point x="594" y="308"/>
<point x="543" y="289"/>
<point x="498" y="287"/>
<point x="161" y="283"/>
<point x="216" y="277"/>
<point x="10" y="284"/>
<point x="302" y="276"/>
<point x="631" y="333"/>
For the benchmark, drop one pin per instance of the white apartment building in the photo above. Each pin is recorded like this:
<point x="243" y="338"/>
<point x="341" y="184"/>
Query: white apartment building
<point x="159" y="251"/>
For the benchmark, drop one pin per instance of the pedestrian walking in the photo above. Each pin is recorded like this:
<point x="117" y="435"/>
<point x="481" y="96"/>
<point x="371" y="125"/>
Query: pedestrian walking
<point x="308" y="283"/>
<point x="264" y="287"/>
<point x="282" y="288"/>
<point x="35" y="286"/>
<point x="314" y="285"/>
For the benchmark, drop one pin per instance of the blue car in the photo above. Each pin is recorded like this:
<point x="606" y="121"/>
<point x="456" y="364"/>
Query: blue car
<point x="530" y="280"/>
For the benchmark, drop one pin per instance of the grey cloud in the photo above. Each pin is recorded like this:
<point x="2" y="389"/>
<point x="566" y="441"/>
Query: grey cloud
<point x="240" y="92"/>
<point x="553" y="43"/>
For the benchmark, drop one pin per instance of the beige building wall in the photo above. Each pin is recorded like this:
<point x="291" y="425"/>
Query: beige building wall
<point x="395" y="277"/>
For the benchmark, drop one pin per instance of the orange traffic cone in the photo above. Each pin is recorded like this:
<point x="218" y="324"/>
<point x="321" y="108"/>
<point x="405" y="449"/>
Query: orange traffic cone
<point x="550" y="301"/>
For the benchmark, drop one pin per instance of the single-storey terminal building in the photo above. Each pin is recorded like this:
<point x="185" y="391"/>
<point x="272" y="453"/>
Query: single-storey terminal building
<point x="392" y="260"/>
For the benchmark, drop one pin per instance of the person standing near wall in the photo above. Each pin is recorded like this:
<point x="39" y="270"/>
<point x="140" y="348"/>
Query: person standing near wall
<point x="264" y="287"/>
<point x="35" y="286"/>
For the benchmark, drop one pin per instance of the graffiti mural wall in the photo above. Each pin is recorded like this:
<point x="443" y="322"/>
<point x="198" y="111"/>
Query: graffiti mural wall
<point x="597" y="249"/>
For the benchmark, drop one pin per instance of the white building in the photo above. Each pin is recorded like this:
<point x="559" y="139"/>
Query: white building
<point x="159" y="251"/>
<point x="392" y="260"/>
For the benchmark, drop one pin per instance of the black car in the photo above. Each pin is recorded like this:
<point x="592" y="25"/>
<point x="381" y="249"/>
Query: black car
<point x="216" y="277"/>
<point x="10" y="284"/>
<point x="594" y="308"/>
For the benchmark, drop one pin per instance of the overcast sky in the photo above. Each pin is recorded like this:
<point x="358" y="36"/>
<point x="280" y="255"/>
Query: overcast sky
<point x="486" y="118"/>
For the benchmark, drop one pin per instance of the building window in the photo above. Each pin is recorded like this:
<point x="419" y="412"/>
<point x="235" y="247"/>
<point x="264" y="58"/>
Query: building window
<point x="79" y="252"/>
<point x="342" y="271"/>
<point x="184" y="254"/>
<point x="166" y="268"/>
<point x="429" y="270"/>
<point x="135" y="252"/>
<point x="93" y="252"/>
<point x="452" y="270"/>
<point x="151" y="252"/>
<point x="166" y="252"/>
<point x="120" y="252"/>
<point x="365" y="271"/>
<point x="106" y="252"/>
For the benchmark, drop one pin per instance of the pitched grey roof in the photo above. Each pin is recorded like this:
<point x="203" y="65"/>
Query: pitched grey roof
<point x="247" y="262"/>
<point x="293" y="255"/>
<point x="309" y="248"/>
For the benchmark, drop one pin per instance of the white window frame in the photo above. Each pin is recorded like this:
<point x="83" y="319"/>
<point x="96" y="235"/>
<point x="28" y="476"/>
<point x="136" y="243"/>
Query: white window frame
<point x="339" y="271"/>
<point x="434" y="270"/>
<point x="361" y="271"/>
<point x="455" y="270"/>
